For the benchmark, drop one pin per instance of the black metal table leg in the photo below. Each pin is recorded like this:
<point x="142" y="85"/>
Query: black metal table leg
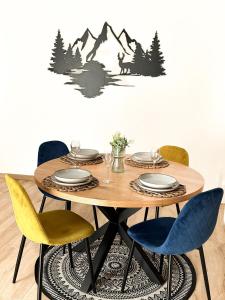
<point x="100" y="256"/>
<point x="116" y="224"/>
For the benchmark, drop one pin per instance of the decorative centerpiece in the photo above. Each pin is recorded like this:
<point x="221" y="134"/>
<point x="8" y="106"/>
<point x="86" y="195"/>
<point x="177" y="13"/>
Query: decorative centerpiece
<point x="119" y="144"/>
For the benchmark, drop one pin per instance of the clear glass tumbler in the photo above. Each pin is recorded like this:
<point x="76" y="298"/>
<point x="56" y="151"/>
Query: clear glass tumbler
<point x="108" y="163"/>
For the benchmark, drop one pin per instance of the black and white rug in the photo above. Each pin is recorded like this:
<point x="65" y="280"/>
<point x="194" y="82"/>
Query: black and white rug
<point x="60" y="282"/>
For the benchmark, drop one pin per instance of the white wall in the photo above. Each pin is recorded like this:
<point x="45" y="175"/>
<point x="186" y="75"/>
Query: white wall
<point x="185" y="107"/>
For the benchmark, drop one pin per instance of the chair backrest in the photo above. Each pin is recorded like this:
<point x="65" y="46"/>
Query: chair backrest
<point x="174" y="153"/>
<point x="195" y="223"/>
<point x="51" y="150"/>
<point x="25" y="214"/>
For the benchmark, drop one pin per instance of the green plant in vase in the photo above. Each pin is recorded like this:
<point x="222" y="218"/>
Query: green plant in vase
<point x="119" y="144"/>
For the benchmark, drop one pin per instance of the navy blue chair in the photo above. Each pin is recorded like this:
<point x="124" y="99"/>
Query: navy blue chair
<point x="47" y="151"/>
<point x="170" y="236"/>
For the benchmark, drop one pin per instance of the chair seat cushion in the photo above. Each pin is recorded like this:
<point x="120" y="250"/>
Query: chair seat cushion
<point x="63" y="227"/>
<point x="152" y="234"/>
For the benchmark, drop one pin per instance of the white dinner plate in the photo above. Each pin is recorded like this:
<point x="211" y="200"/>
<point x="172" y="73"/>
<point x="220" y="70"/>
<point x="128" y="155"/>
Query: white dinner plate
<point x="72" y="175"/>
<point x="146" y="188"/>
<point x="87" y="153"/>
<point x="157" y="180"/>
<point x="147" y="161"/>
<point x="70" y="184"/>
<point x="144" y="157"/>
<point x="76" y="158"/>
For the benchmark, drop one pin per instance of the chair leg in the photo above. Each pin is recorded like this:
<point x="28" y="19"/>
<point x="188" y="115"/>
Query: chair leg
<point x="156" y="217"/>
<point x="70" y="255"/>
<point x="178" y="209"/>
<point x="156" y="212"/>
<point x="90" y="264"/>
<point x="68" y="205"/>
<point x="20" y="253"/>
<point x="95" y="217"/>
<point x="161" y="263"/>
<point x="204" y="269"/>
<point x="127" y="268"/>
<point x="42" y="204"/>
<point x="146" y="214"/>
<point x="40" y="272"/>
<point x="121" y="240"/>
<point x="169" y="280"/>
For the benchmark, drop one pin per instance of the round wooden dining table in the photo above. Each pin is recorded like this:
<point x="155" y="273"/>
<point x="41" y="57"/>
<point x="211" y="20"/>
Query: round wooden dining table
<point x="117" y="201"/>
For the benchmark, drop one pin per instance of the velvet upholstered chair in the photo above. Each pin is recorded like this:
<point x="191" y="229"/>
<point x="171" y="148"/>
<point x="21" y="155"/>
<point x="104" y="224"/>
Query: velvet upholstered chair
<point x="52" y="228"/>
<point x="170" y="236"/>
<point x="176" y="154"/>
<point x="47" y="151"/>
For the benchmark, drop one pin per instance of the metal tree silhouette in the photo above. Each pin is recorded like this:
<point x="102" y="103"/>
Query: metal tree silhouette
<point x="58" y="56"/>
<point x="69" y="59"/>
<point x="138" y="63"/>
<point x="77" y="59"/>
<point x="155" y="58"/>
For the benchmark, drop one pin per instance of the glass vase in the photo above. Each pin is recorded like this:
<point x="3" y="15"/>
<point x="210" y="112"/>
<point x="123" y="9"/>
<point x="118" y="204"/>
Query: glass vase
<point x="118" y="157"/>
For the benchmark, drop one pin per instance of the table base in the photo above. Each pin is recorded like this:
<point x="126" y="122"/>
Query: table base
<point x="116" y="224"/>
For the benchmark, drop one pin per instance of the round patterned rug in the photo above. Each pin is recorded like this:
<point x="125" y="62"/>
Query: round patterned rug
<point x="60" y="282"/>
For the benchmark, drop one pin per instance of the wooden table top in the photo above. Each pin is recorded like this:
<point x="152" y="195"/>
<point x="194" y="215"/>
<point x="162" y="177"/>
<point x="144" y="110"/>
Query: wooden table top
<point x="118" y="193"/>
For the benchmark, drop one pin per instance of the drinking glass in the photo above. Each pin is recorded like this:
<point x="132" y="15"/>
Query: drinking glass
<point x="75" y="147"/>
<point x="108" y="163"/>
<point x="154" y="156"/>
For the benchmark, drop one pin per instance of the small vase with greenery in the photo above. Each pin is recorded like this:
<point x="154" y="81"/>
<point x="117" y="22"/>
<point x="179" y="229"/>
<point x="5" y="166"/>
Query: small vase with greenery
<point x="119" y="144"/>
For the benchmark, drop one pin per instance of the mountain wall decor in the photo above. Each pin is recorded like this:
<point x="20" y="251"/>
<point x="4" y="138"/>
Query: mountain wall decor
<point x="92" y="62"/>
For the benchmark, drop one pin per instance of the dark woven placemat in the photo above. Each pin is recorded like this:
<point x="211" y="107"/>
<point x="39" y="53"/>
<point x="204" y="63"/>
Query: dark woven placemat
<point x="181" y="190"/>
<point x="162" y="164"/>
<point x="66" y="159"/>
<point x="48" y="183"/>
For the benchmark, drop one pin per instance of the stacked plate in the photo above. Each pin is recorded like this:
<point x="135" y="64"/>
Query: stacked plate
<point x="85" y="155"/>
<point x="156" y="182"/>
<point x="72" y="177"/>
<point x="145" y="158"/>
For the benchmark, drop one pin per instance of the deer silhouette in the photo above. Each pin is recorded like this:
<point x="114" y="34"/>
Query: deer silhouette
<point x="125" y="66"/>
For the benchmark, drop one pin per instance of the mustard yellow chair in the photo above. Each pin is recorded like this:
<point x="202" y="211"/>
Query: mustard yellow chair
<point x="176" y="154"/>
<point x="52" y="228"/>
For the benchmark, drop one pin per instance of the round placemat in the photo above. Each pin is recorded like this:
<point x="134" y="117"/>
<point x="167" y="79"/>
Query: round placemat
<point x="163" y="164"/>
<point x="68" y="160"/>
<point x="61" y="282"/>
<point x="181" y="190"/>
<point x="49" y="184"/>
